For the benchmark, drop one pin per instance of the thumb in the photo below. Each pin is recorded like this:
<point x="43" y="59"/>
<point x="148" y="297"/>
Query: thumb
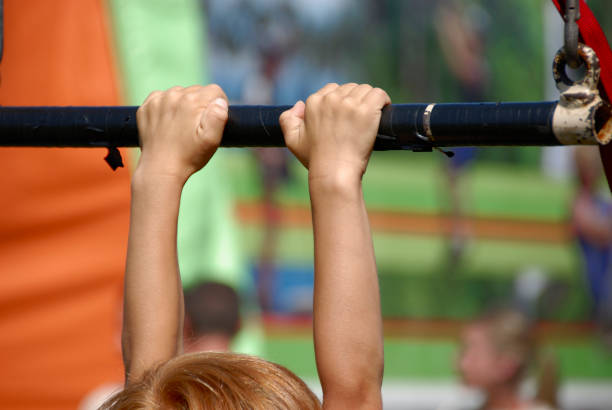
<point x="291" y="122"/>
<point x="212" y="121"/>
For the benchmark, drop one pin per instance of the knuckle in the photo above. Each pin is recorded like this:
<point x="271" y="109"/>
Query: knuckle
<point x="219" y="112"/>
<point x="156" y="101"/>
<point x="173" y="93"/>
<point x="366" y="88"/>
<point x="362" y="110"/>
<point x="381" y="92"/>
<point x="332" y="98"/>
<point x="312" y="100"/>
<point x="347" y="88"/>
<point x="152" y="96"/>
<point x="187" y="97"/>
<point x="155" y="94"/>
<point x="193" y="88"/>
<point x="349" y="104"/>
<point x="170" y="96"/>
<point x="214" y="88"/>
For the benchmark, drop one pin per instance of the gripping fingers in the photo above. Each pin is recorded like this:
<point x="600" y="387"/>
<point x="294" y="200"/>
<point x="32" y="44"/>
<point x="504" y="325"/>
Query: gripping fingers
<point x="326" y="90"/>
<point x="346" y="89"/>
<point x="154" y="95"/>
<point x="208" y="94"/>
<point x="213" y="120"/>
<point x="359" y="92"/>
<point x="377" y="97"/>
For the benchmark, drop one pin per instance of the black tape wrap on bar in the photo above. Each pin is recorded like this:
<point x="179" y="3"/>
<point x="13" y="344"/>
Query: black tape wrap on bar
<point x="402" y="122"/>
<point x="254" y="126"/>
<point x="402" y="126"/>
<point x="491" y="124"/>
<point x="247" y="126"/>
<point x="68" y="126"/>
<point x="477" y="124"/>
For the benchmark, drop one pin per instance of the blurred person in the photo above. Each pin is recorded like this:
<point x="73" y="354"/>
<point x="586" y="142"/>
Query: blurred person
<point x="269" y="36"/>
<point x="212" y="317"/>
<point x="180" y="130"/>
<point x="497" y="351"/>
<point x="461" y="32"/>
<point x="273" y="168"/>
<point x="592" y="223"/>
<point x="272" y="162"/>
<point x="212" y="320"/>
<point x="281" y="73"/>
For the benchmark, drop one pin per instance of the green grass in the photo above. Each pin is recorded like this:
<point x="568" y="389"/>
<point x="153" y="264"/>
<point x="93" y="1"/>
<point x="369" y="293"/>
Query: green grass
<point x="416" y="182"/>
<point x="405" y="359"/>
<point x="508" y="191"/>
<point x="583" y="360"/>
<point x="434" y="359"/>
<point x="411" y="255"/>
<point x="415" y="276"/>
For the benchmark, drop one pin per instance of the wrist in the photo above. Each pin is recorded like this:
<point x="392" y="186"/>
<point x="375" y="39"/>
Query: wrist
<point x="336" y="181"/>
<point x="145" y="176"/>
<point x="153" y="169"/>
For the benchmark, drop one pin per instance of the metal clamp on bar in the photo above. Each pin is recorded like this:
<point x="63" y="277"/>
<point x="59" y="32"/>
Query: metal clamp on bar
<point x="571" y="35"/>
<point x="582" y="116"/>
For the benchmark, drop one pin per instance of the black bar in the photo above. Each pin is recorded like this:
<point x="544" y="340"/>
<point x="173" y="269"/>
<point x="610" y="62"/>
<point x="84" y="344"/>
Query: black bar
<point x="402" y="126"/>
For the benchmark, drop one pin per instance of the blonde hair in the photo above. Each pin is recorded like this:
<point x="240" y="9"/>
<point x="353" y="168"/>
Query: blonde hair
<point x="512" y="333"/>
<point x="224" y="381"/>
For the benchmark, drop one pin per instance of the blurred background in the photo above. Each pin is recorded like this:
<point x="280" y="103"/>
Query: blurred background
<point x="528" y="229"/>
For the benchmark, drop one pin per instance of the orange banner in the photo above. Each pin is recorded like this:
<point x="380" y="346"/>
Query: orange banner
<point x="63" y="215"/>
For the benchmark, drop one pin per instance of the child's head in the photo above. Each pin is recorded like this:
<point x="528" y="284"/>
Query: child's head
<point x="212" y="317"/>
<point x="216" y="381"/>
<point x="496" y="350"/>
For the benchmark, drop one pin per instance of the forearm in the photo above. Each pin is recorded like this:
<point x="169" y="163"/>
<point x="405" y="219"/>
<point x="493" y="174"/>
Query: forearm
<point x="153" y="306"/>
<point x="347" y="317"/>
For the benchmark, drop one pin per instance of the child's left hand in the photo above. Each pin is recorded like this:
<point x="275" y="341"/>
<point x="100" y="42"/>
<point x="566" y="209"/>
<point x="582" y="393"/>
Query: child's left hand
<point x="180" y="129"/>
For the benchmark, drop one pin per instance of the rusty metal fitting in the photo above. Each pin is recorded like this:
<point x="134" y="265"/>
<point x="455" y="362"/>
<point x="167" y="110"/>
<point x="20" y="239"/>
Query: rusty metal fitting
<point x="571" y="34"/>
<point x="582" y="116"/>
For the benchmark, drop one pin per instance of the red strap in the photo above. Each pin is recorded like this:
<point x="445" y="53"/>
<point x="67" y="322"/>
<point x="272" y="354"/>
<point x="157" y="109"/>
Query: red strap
<point x="593" y="36"/>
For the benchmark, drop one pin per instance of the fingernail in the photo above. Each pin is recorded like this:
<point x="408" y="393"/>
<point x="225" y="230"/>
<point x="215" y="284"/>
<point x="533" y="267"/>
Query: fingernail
<point x="220" y="102"/>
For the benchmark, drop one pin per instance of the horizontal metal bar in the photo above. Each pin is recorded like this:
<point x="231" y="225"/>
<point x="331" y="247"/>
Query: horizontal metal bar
<point x="403" y="126"/>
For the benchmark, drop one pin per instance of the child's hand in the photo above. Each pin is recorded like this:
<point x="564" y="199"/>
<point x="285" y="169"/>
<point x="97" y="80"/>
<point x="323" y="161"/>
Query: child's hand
<point x="334" y="132"/>
<point x="180" y="129"/>
<point x="333" y="135"/>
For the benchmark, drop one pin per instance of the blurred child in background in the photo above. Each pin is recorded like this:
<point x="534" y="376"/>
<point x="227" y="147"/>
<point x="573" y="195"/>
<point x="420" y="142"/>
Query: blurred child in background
<point x="461" y="29"/>
<point x="212" y="317"/>
<point x="212" y="320"/>
<point x="592" y="223"/>
<point x="497" y="351"/>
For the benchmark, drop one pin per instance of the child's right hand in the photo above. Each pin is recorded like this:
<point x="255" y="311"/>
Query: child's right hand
<point x="334" y="132"/>
<point x="180" y="129"/>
